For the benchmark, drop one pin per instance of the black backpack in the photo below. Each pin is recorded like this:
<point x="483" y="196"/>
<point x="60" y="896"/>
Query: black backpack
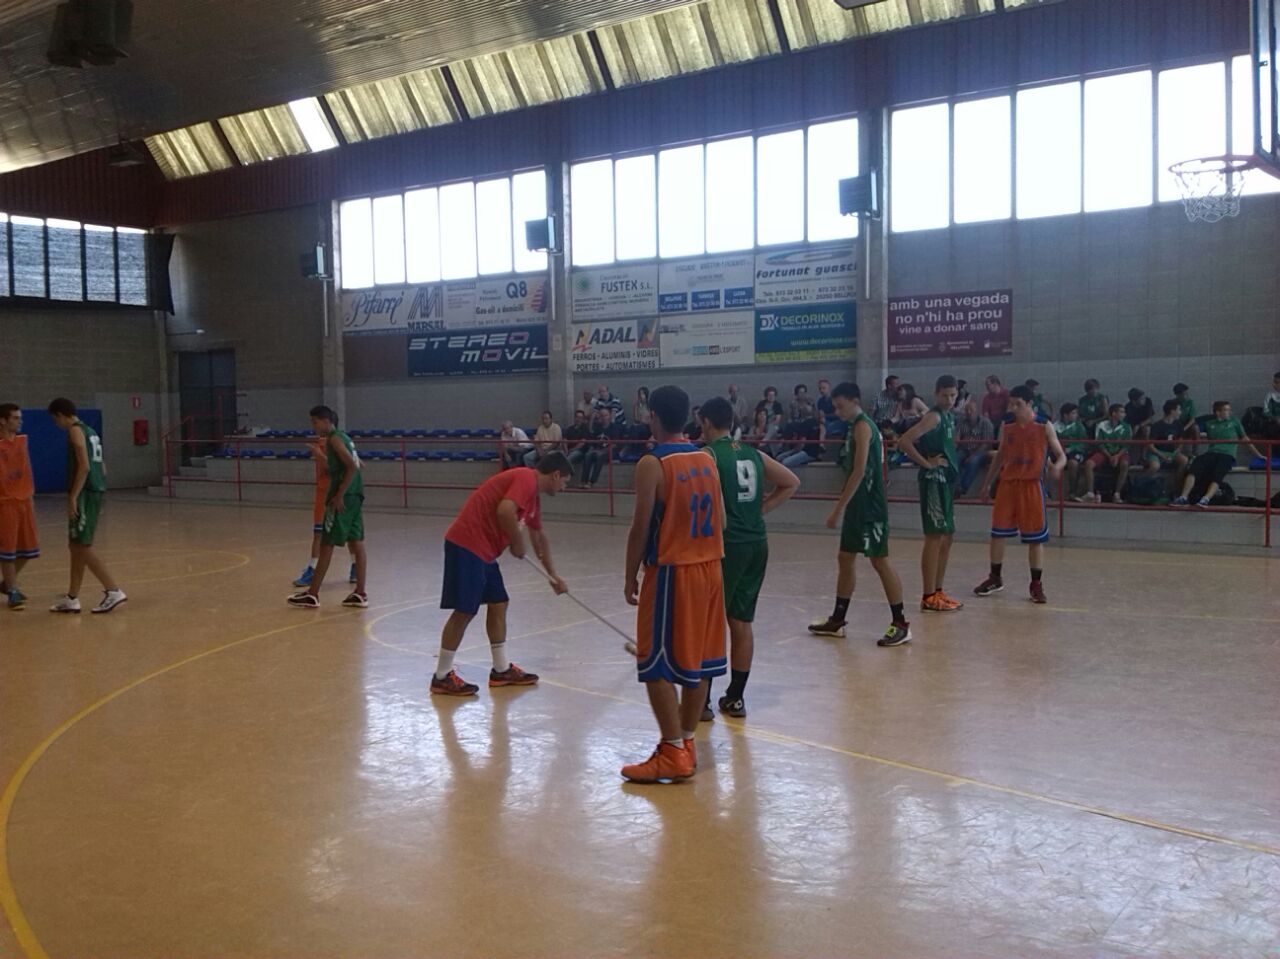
<point x="1225" y="496"/>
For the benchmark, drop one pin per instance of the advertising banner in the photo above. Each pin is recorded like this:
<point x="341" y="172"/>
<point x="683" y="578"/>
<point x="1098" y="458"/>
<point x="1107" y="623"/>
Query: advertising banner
<point x="457" y="305"/>
<point x="797" y="334"/>
<point x="951" y="324"/>
<point x="720" y="283"/>
<point x="619" y="345"/>
<point x="521" y="349"/>
<point x="614" y="292"/>
<point x="712" y="339"/>
<point x="811" y="274"/>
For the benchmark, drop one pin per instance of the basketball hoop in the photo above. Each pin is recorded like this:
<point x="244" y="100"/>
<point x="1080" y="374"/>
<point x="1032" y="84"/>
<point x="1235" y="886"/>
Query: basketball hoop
<point x="1211" y="186"/>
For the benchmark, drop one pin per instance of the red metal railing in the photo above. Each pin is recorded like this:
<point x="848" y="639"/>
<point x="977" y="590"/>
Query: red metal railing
<point x="403" y="446"/>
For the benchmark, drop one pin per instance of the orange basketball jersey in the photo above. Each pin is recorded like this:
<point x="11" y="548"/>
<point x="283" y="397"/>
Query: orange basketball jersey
<point x="688" y="522"/>
<point x="15" y="469"/>
<point x="1023" y="448"/>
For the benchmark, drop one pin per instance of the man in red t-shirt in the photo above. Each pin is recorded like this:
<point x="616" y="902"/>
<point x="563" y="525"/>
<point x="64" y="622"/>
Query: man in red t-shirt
<point x="491" y="521"/>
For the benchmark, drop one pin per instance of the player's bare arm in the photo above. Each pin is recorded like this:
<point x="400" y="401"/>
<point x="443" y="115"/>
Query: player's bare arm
<point x="861" y="444"/>
<point x="508" y="515"/>
<point x="648" y="481"/>
<point x="349" y="473"/>
<point x="542" y="550"/>
<point x="1059" y="461"/>
<point x="784" y="485"/>
<point x="76" y="437"/>
<point x="907" y="442"/>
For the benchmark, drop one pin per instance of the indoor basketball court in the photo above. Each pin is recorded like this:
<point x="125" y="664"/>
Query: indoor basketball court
<point x="730" y="196"/>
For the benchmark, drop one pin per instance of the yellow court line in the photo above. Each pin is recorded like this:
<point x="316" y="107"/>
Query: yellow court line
<point x="9" y="903"/>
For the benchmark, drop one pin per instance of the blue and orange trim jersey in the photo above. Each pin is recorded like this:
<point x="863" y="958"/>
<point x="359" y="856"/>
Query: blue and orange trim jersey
<point x="688" y="520"/>
<point x="1024" y="448"/>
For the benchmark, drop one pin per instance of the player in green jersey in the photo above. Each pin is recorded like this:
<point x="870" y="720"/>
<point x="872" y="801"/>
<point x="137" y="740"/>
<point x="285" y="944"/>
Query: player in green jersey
<point x="931" y="445"/>
<point x="1211" y="467"/>
<point x="865" y="527"/>
<point x="87" y="476"/>
<point x="744" y="474"/>
<point x="343" y="515"/>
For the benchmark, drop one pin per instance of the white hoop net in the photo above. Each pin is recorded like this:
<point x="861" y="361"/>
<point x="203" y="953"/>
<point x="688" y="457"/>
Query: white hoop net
<point x="1211" y="187"/>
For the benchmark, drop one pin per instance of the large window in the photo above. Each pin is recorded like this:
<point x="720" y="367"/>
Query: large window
<point x="921" y="152"/>
<point x="73" y="262"/>
<point x="1193" y="118"/>
<point x="1048" y="150"/>
<point x="983" y="173"/>
<point x="716" y="197"/>
<point x="1117" y="141"/>
<point x="1242" y="121"/>
<point x="457" y="231"/>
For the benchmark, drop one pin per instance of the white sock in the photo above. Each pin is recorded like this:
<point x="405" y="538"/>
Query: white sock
<point x="678" y="743"/>
<point x="444" y="662"/>
<point x="311" y="564"/>
<point x="499" y="653"/>
<point x="687" y="733"/>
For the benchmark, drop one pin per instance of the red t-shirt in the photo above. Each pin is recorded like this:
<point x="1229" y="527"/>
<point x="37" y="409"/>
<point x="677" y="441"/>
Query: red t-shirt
<point x="477" y="529"/>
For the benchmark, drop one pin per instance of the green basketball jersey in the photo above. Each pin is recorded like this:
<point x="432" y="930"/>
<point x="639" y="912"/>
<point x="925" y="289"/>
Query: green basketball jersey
<point x="871" y="490"/>
<point x="741" y="471"/>
<point x="97" y="480"/>
<point x="338" y="469"/>
<point x="1228" y="429"/>
<point x="1071" y="431"/>
<point x="940" y="441"/>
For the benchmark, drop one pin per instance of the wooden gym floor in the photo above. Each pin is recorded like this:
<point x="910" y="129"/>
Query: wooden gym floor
<point x="207" y="773"/>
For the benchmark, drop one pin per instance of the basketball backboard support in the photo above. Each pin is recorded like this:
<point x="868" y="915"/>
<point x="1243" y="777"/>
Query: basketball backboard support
<point x="1266" y="79"/>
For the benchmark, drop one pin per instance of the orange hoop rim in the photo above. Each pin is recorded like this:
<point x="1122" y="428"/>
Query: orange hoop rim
<point x="1227" y="163"/>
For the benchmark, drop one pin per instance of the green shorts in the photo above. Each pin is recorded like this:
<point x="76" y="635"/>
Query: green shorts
<point x="937" y="513"/>
<point x="81" y="529"/>
<point x="743" y="567"/>
<point x="865" y="529"/>
<point x="347" y="526"/>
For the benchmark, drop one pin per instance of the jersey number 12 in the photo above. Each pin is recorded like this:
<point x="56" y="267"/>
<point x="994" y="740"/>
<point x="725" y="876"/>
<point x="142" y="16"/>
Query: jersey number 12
<point x="701" y="504"/>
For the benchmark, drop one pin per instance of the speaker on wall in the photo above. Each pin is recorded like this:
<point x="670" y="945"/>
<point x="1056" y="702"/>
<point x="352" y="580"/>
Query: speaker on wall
<point x="540" y="234"/>
<point x="860" y="195"/>
<point x="90" y="31"/>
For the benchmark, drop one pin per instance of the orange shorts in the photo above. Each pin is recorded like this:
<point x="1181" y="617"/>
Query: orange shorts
<point x="681" y="624"/>
<point x="318" y="508"/>
<point x="1020" y="510"/>
<point x="18" y="530"/>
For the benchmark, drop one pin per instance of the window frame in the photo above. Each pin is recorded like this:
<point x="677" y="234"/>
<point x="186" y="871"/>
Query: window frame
<point x="10" y="300"/>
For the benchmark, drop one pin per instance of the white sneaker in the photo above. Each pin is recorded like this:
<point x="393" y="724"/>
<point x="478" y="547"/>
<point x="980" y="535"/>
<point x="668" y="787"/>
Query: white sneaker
<point x="111" y="598"/>
<point x="66" y="605"/>
<point x="356" y="601"/>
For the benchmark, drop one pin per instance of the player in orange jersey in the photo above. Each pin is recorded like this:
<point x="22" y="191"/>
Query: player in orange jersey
<point x="1020" y="500"/>
<point x="18" y="542"/>
<point x="677" y="532"/>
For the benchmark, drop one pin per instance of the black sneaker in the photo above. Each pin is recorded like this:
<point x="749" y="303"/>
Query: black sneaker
<point x="895" y="635"/>
<point x="707" y="715"/>
<point x="827" y="627"/>
<point x="304" y="600"/>
<point x="733" y="707"/>
<point x="992" y="584"/>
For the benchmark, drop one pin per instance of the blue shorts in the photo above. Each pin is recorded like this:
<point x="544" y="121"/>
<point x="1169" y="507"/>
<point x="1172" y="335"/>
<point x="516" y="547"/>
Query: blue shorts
<point x="470" y="582"/>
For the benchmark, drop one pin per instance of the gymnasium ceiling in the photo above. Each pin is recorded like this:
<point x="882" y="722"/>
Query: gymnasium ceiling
<point x="207" y="81"/>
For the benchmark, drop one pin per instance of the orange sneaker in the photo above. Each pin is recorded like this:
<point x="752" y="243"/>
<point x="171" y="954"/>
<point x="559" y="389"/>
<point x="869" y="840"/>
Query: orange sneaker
<point x="950" y="602"/>
<point x="453" y="685"/>
<point x="513" y="675"/>
<point x="934" y="603"/>
<point x="668" y="764"/>
<point x="693" y="751"/>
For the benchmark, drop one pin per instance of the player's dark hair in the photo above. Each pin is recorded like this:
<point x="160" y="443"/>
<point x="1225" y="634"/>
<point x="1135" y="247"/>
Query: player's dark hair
<point x="1180" y="388"/>
<point x="799" y="387"/>
<point x="718" y="412"/>
<point x="945" y="382"/>
<point x="670" y="405"/>
<point x="324" y="413"/>
<point x="8" y="409"/>
<point x="770" y="389"/>
<point x="555" y="462"/>
<point x="1219" y="404"/>
<point x="549" y="413"/>
<point x="848" y="390"/>
<point x="1135" y="394"/>
<point x="1276" y="375"/>
<point x="1067" y="408"/>
<point x="1171" y="406"/>
<point x="1114" y="408"/>
<point x="1092" y="384"/>
<point x="1032" y="384"/>
<point x="891" y="378"/>
<point x="62" y="407"/>
<point x="1022" y="393"/>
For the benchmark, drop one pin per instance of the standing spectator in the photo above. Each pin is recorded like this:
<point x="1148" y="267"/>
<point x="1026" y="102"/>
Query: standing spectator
<point x="995" y="403"/>
<point x="640" y="408"/>
<point x="607" y="401"/>
<point x="802" y="407"/>
<point x="908" y="409"/>
<point x="515" y="444"/>
<point x="886" y="400"/>
<point x="547" y="439"/>
<point x="1210" y="468"/>
<point x="771" y="405"/>
<point x="1186" y="405"/>
<point x="587" y="407"/>
<point x="962" y="393"/>
<point x="826" y="408"/>
<point x="1071" y="434"/>
<point x="763" y="432"/>
<point x="1139" y="412"/>
<point x="1164" y="451"/>
<point x="1093" y="406"/>
<point x="741" y="408"/>
<point x="1112" y="451"/>
<point x="576" y="439"/>
<point x="693" y="429"/>
<point x="599" y="450"/>
<point x="1042" y="406"/>
<point x="1271" y="410"/>
<point x="975" y="436"/>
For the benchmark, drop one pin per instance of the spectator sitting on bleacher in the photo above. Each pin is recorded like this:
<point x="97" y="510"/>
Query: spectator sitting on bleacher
<point x="548" y="439"/>
<point x="962" y="393"/>
<point x="576" y="439"/>
<point x="587" y="407"/>
<point x="802" y="407"/>
<point x="1271" y="411"/>
<point x="741" y="408"/>
<point x="771" y="405"/>
<point x="603" y="428"/>
<point x="607" y="401"/>
<point x="1093" y="406"/>
<point x="1041" y="406"/>
<point x="515" y="444"/>
<point x="995" y="401"/>
<point x="1139" y="412"/>
<point x="975" y="436"/>
<point x="1070" y="429"/>
<point x="1186" y="405"/>
<point x="762" y="433"/>
<point x="909" y="408"/>
<point x="1164" y="451"/>
<point x="808" y="436"/>
<point x="826" y="408"/>
<point x="640" y="408"/>
<point x="886" y="400"/>
<point x="1114" y="453"/>
<point x="1211" y="467"/>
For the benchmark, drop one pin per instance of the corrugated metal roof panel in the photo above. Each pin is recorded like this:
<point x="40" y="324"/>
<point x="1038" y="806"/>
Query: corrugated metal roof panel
<point x="688" y="39"/>
<point x="528" y="76"/>
<point x="399" y="105"/>
<point x="189" y="151"/>
<point x="264" y="134"/>
<point x="810" y="23"/>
